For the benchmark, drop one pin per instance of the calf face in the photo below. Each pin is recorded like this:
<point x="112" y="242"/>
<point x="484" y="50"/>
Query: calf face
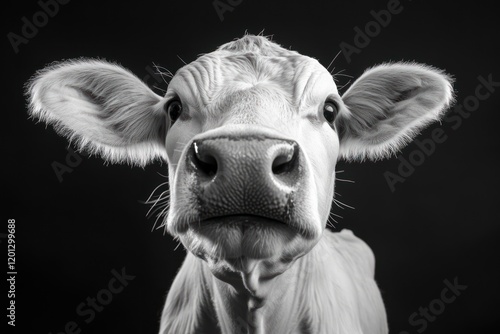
<point x="251" y="133"/>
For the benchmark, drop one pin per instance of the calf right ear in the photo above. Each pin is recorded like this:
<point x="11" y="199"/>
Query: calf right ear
<point x="103" y="108"/>
<point x="388" y="105"/>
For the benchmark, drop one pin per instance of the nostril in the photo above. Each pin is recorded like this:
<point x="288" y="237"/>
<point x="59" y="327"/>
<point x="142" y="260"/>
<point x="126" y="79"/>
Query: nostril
<point x="286" y="160"/>
<point x="204" y="161"/>
<point x="281" y="164"/>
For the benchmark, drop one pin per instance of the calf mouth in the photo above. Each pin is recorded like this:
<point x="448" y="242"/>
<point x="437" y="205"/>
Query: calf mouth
<point x="239" y="236"/>
<point x="244" y="222"/>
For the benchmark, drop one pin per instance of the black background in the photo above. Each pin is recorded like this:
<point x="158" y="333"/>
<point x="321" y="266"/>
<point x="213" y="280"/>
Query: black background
<point x="441" y="223"/>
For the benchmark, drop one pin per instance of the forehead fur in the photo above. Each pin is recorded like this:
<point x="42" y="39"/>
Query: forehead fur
<point x="258" y="45"/>
<point x="251" y="63"/>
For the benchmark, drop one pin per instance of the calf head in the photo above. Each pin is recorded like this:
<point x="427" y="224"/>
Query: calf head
<point x="251" y="133"/>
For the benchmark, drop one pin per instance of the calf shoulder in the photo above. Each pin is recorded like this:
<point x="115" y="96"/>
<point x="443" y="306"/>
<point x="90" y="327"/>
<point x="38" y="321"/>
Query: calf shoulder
<point x="340" y="293"/>
<point x="188" y="307"/>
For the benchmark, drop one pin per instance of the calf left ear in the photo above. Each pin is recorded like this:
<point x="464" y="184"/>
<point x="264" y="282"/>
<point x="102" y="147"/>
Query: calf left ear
<point x="388" y="105"/>
<point x="103" y="108"/>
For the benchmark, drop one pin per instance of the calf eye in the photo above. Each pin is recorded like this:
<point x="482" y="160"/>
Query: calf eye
<point x="330" y="111"/>
<point x="173" y="109"/>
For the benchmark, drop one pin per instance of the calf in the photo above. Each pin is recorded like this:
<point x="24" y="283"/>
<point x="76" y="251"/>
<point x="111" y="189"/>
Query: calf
<point x="251" y="133"/>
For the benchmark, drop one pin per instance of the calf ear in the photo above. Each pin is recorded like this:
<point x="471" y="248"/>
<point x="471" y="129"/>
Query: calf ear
<point x="102" y="107"/>
<point x="387" y="106"/>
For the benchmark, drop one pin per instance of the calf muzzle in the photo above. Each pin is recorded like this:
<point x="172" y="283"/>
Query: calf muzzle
<point x="245" y="176"/>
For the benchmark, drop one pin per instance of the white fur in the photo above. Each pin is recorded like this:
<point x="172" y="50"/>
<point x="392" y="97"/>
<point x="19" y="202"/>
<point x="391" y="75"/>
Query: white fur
<point x="333" y="286"/>
<point x="107" y="110"/>
<point x="388" y="105"/>
<point x="102" y="107"/>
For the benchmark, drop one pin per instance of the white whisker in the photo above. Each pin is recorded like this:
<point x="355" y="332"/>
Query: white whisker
<point x="339" y="204"/>
<point x="333" y="61"/>
<point x="181" y="59"/>
<point x="345" y="180"/>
